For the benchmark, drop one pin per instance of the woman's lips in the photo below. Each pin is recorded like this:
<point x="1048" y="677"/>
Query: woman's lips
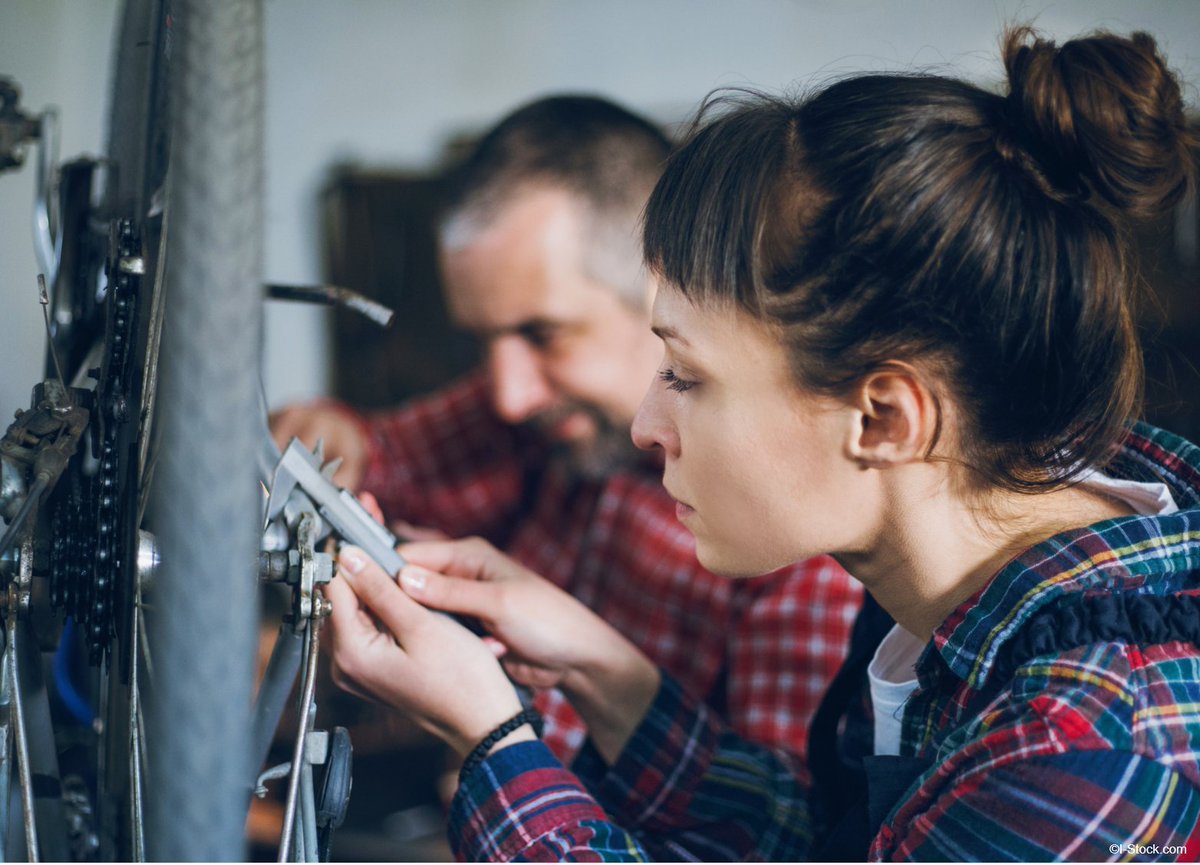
<point x="682" y="511"/>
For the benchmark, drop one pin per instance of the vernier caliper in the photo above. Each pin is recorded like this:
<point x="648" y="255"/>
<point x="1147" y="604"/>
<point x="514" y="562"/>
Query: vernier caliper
<point x="300" y="484"/>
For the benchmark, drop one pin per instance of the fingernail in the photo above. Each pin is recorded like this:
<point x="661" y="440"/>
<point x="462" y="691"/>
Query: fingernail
<point x="413" y="578"/>
<point x="352" y="559"/>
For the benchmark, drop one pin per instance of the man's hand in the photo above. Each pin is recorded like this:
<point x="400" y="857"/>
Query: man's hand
<point x="389" y="648"/>
<point x="548" y="638"/>
<point x="337" y="425"/>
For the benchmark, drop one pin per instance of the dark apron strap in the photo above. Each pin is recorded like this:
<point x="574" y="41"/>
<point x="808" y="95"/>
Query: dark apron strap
<point x="839" y="739"/>
<point x="840" y="732"/>
<point x="888" y="778"/>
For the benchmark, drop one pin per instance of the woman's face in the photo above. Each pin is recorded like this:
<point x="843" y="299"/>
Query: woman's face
<point x="757" y="466"/>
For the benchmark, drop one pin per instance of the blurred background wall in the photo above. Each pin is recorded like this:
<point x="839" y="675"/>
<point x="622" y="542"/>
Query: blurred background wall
<point x="386" y="84"/>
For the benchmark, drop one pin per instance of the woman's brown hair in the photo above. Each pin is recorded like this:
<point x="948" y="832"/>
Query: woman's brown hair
<point x="923" y="219"/>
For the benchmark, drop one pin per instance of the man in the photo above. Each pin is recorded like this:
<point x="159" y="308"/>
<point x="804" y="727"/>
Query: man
<point x="540" y="252"/>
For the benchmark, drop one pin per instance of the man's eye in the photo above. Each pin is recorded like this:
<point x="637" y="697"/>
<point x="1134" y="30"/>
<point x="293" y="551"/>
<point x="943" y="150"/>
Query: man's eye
<point x="538" y="335"/>
<point x="674" y="382"/>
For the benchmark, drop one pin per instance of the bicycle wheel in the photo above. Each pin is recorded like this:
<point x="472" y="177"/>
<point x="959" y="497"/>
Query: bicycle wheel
<point x="205" y="507"/>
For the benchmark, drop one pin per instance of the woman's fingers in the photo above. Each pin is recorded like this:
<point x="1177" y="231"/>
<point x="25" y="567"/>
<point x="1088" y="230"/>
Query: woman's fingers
<point x="355" y="641"/>
<point x="497" y="648"/>
<point x="410" y="532"/>
<point x="371" y="504"/>
<point x="387" y="646"/>
<point x="376" y="591"/>
<point x="480" y="600"/>
<point x="347" y="615"/>
<point x="469" y="558"/>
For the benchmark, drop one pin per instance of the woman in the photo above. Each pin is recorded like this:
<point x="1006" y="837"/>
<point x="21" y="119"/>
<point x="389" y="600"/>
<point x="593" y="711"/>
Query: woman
<point x="897" y="328"/>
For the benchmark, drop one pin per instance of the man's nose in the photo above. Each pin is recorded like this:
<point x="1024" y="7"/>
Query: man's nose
<point x="519" y="386"/>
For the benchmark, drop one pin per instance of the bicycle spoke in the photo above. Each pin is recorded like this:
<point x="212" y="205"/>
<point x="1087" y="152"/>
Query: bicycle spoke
<point x="148" y="440"/>
<point x="20" y="736"/>
<point x="136" y="739"/>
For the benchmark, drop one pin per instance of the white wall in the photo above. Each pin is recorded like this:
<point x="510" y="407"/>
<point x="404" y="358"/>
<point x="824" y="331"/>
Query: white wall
<point x="386" y="82"/>
<point x="58" y="54"/>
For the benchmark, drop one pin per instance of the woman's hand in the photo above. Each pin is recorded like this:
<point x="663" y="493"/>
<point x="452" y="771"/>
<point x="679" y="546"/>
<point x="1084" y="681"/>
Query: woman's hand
<point x="389" y="648"/>
<point x="547" y="637"/>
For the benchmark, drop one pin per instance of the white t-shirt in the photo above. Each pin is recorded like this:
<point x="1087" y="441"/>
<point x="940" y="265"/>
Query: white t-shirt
<point x="891" y="672"/>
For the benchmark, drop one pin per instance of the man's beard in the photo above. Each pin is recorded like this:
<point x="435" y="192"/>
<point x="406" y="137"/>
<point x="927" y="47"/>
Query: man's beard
<point x="597" y="457"/>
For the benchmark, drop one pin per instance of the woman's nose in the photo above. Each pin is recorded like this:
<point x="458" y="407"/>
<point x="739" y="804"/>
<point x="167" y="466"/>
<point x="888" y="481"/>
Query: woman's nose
<point x="652" y="426"/>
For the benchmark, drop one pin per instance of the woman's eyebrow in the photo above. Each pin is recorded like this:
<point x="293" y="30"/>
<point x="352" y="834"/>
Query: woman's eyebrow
<point x="665" y="333"/>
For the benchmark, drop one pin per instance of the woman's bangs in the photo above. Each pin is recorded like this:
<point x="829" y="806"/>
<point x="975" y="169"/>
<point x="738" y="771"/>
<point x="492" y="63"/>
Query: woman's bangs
<point x="705" y="218"/>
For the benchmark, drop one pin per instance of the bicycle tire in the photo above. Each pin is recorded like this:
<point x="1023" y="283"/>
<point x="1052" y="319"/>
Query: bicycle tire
<point x="205" y="508"/>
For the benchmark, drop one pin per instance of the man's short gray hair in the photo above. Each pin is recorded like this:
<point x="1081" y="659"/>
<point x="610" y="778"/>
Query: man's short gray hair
<point x="604" y="155"/>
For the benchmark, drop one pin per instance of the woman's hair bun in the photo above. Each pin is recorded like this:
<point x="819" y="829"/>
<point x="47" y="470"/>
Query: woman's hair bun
<point x="1101" y="115"/>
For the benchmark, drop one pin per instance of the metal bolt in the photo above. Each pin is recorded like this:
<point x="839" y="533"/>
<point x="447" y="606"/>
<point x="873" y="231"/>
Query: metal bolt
<point x="273" y="566"/>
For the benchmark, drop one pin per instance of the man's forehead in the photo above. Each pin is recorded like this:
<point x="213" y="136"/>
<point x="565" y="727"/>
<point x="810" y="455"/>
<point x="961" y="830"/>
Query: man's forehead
<point x="527" y="268"/>
<point x="503" y="293"/>
<point x="525" y="209"/>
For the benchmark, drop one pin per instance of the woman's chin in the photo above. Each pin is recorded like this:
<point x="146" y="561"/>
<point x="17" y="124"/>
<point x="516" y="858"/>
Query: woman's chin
<point x="734" y="562"/>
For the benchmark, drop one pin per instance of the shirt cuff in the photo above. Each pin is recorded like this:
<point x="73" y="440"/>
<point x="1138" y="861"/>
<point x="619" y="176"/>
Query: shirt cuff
<point x="651" y="784"/>
<point x="516" y="796"/>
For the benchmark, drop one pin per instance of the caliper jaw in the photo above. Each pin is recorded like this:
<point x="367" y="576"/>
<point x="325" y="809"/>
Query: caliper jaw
<point x="301" y="485"/>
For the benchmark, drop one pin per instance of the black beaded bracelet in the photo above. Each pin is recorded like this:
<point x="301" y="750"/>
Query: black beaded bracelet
<point x="480" y="751"/>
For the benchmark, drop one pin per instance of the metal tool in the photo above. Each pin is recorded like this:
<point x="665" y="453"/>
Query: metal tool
<point x="302" y="484"/>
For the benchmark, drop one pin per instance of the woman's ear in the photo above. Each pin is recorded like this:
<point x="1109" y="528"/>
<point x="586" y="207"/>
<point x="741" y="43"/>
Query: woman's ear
<point x="896" y="418"/>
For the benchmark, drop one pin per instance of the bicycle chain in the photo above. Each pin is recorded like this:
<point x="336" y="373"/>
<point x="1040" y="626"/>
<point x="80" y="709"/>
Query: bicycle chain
<point x="73" y="549"/>
<point x="88" y="555"/>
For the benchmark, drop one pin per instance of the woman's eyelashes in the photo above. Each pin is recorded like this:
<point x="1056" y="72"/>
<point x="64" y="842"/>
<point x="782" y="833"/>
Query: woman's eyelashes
<point x="674" y="382"/>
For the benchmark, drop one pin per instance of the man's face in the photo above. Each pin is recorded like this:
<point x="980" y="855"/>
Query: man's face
<point x="566" y="354"/>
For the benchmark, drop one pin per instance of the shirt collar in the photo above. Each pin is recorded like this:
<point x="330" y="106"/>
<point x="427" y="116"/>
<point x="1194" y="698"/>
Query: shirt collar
<point x="1139" y="553"/>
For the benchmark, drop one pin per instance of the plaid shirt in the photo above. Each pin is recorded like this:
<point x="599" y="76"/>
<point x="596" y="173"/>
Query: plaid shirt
<point x="1086" y="753"/>
<point x="760" y="651"/>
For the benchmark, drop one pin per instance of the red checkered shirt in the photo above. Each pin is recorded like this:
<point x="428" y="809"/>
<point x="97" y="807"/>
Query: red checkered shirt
<point x="759" y="651"/>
